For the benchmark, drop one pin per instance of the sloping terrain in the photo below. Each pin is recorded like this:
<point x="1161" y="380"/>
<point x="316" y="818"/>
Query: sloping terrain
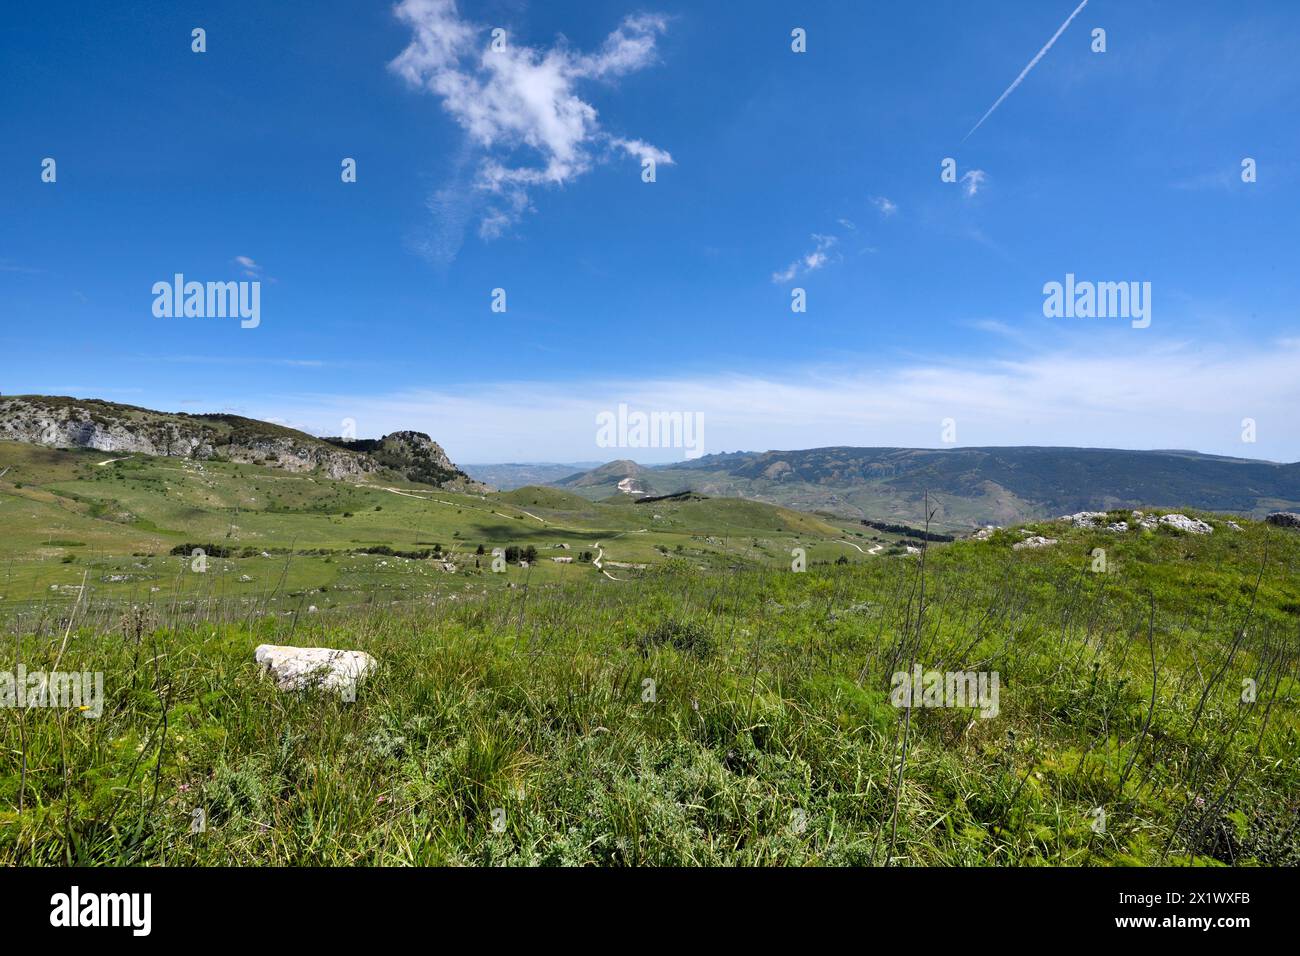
<point x="118" y="519"/>
<point x="1144" y="714"/>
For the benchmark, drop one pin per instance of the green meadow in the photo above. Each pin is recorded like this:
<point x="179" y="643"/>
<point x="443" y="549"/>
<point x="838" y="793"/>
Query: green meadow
<point x="714" y="707"/>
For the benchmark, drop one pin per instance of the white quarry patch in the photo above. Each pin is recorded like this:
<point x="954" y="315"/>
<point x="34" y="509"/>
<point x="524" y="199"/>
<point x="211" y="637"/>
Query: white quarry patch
<point x="1037" y="541"/>
<point x="300" y="668"/>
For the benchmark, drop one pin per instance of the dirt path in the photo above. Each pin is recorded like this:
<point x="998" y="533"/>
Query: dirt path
<point x="600" y="553"/>
<point x="407" y="494"/>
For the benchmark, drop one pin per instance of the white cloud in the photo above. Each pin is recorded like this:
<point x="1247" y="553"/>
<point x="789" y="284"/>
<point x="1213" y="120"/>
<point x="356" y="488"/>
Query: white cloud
<point x="973" y="180"/>
<point x="1114" y="394"/>
<point x="251" y="268"/>
<point x="522" y="99"/>
<point x="810" y="261"/>
<point x="886" y="206"/>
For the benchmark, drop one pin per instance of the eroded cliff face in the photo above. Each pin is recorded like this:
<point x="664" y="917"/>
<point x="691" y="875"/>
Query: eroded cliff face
<point x="68" y="423"/>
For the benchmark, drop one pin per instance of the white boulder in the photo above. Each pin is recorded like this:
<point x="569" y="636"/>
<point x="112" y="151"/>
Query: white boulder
<point x="1184" y="523"/>
<point x="299" y="668"/>
<point x="1037" y="541"/>
<point x="1085" y="519"/>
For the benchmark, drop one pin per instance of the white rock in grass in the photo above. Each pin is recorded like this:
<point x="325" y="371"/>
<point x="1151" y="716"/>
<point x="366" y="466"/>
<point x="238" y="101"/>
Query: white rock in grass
<point x="1184" y="523"/>
<point x="299" y="668"/>
<point x="1085" y="519"/>
<point x="1037" y="541"/>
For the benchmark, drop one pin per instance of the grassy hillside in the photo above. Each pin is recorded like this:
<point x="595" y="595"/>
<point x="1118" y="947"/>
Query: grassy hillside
<point x="767" y="735"/>
<point x="307" y="538"/>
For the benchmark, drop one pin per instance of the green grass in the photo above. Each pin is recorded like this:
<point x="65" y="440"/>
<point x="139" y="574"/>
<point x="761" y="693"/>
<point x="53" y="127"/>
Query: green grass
<point x="769" y="738"/>
<point x="65" y="514"/>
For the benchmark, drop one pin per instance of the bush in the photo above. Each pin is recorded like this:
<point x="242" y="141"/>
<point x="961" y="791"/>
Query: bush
<point x="690" y="637"/>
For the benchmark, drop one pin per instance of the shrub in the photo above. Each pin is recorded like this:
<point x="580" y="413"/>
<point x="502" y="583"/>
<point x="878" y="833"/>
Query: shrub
<point x="690" y="637"/>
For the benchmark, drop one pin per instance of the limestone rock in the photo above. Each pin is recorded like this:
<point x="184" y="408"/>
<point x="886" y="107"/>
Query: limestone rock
<point x="1085" y="519"/>
<point x="1184" y="523"/>
<point x="300" y="668"/>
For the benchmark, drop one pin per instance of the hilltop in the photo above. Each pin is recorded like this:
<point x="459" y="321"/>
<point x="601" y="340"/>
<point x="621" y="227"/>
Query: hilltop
<point x="63" y="422"/>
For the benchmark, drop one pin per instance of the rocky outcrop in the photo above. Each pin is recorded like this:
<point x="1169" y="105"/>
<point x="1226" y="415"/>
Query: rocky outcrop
<point x="1086" y="519"/>
<point x="126" y="429"/>
<point x="1184" y="523"/>
<point x="1284" y="519"/>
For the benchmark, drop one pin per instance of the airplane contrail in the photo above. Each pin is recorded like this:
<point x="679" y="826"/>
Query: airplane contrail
<point x="1025" y="72"/>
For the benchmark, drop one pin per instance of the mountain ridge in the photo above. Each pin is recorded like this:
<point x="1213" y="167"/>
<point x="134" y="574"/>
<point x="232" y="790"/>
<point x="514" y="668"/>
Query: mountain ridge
<point x="972" y="486"/>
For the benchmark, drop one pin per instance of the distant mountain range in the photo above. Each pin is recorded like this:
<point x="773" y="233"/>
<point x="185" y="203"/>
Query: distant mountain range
<point x="61" y="422"/>
<point x="512" y="475"/>
<point x="968" y="486"/>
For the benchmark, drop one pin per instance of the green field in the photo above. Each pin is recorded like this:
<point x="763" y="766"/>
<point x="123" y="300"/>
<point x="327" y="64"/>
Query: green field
<point x="713" y="708"/>
<point x="73" y="513"/>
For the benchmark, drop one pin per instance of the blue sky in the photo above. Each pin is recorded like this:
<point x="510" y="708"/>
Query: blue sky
<point x="924" y="298"/>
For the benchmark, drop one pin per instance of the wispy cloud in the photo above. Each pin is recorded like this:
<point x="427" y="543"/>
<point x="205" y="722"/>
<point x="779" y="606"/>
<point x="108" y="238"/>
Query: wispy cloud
<point x="251" y="268"/>
<point x="973" y="180"/>
<point x="1154" y="396"/>
<point x="885" y="205"/>
<point x="1025" y="72"/>
<point x="521" y="98"/>
<point x="810" y="261"/>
